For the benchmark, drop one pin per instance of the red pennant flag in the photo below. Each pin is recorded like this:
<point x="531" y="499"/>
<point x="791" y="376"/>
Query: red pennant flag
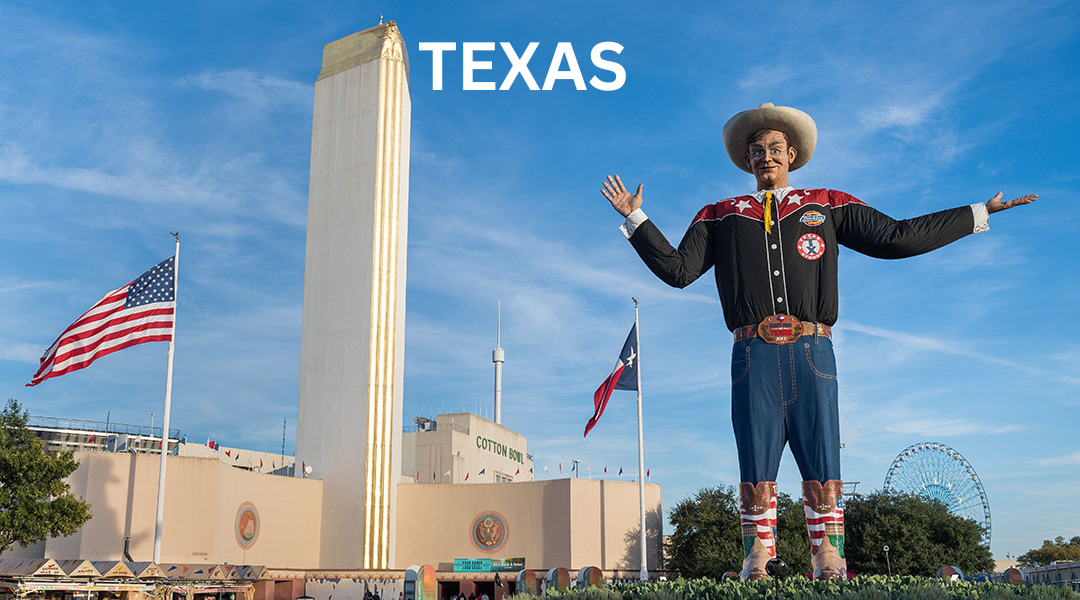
<point x="91" y="440"/>
<point x="260" y="463"/>
<point x="228" y="453"/>
<point x="213" y="445"/>
<point x="560" y="467"/>
<point x="605" y="468"/>
<point x="518" y="472"/>
<point x="466" y="477"/>
<point x="623" y="377"/>
<point x="647" y="471"/>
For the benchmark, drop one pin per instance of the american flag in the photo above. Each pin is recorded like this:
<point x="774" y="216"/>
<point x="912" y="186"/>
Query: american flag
<point x="141" y="311"/>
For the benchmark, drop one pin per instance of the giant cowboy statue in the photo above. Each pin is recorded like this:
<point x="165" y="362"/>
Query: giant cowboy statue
<point x="773" y="253"/>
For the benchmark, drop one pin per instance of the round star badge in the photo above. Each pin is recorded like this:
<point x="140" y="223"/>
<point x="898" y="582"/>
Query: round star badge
<point x="811" y="246"/>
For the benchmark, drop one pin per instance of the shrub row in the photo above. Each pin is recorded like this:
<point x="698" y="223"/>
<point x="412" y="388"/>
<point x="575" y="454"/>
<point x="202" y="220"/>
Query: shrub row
<point x="868" y="587"/>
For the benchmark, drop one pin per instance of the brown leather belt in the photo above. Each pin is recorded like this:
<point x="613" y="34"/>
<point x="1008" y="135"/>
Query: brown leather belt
<point x="782" y="329"/>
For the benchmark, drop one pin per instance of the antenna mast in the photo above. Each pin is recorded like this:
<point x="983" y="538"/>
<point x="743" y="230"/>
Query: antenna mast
<point x="497" y="357"/>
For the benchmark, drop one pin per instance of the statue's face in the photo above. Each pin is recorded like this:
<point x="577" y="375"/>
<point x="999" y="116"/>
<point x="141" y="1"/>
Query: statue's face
<point x="770" y="159"/>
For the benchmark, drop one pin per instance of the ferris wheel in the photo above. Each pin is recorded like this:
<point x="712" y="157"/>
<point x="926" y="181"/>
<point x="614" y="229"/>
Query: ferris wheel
<point x="934" y="470"/>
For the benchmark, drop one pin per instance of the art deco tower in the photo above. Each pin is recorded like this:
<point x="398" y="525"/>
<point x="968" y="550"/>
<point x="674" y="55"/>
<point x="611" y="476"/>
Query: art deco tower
<point x="352" y="346"/>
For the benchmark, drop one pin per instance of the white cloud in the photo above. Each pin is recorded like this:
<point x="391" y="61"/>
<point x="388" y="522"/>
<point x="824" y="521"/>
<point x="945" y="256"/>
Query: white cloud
<point x="256" y="88"/>
<point x="939" y="427"/>
<point x="191" y="188"/>
<point x="902" y="113"/>
<point x="955" y="347"/>
<point x="1060" y="461"/>
<point x="769" y="76"/>
<point x="30" y="285"/>
<point x="21" y="352"/>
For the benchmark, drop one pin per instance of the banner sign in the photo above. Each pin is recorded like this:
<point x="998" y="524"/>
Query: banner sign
<point x="508" y="564"/>
<point x="472" y="565"/>
<point x="488" y="565"/>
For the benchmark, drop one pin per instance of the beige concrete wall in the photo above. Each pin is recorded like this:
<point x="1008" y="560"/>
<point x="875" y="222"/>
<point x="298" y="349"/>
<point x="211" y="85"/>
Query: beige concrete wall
<point x="238" y="457"/>
<point x="605" y="524"/>
<point x="202" y="499"/>
<point x="565" y="522"/>
<point x="553" y="523"/>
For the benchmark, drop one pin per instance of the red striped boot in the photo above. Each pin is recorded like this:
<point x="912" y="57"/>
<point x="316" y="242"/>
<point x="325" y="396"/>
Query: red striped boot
<point x="823" y="504"/>
<point x="757" y="512"/>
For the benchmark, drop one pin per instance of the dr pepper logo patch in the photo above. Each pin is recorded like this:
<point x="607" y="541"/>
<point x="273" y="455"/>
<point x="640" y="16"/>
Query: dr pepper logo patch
<point x="812" y="218"/>
<point x="811" y="246"/>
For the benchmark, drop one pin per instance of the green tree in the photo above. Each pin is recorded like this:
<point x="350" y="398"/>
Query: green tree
<point x="922" y="535"/>
<point x="1058" y="549"/>
<point x="792" y="540"/>
<point x="707" y="540"/>
<point x="35" y="501"/>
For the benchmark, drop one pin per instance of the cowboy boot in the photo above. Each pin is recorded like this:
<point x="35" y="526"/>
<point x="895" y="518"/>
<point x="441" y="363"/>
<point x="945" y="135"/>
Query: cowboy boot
<point x="823" y="504"/>
<point x="757" y="513"/>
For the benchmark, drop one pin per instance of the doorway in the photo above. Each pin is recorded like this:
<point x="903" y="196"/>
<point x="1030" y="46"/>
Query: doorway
<point x="449" y="588"/>
<point x="485" y="587"/>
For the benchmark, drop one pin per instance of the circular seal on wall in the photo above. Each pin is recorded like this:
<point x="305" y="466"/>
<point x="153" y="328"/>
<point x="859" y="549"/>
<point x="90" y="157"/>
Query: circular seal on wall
<point x="489" y="531"/>
<point x="811" y="246"/>
<point x="247" y="525"/>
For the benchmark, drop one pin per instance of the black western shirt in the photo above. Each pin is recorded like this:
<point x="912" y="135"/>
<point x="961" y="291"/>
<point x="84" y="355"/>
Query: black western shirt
<point x="792" y="268"/>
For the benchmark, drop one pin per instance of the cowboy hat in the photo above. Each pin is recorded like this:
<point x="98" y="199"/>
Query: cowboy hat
<point x="799" y="127"/>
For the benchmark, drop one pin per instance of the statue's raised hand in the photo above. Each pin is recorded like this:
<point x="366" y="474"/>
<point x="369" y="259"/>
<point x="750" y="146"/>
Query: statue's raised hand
<point x="620" y="199"/>
<point x="995" y="204"/>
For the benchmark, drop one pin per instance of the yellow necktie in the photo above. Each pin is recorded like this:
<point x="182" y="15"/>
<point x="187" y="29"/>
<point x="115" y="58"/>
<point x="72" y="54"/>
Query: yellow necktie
<point x="768" y="212"/>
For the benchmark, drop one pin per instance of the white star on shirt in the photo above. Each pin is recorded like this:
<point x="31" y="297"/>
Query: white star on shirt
<point x="743" y="205"/>
<point x="795" y="198"/>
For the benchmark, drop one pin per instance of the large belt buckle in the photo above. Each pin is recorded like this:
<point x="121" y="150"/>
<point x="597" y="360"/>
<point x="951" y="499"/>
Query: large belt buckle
<point x="780" y="329"/>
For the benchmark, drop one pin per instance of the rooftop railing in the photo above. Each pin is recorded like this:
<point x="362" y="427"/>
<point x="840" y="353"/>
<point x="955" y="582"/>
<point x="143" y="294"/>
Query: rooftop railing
<point x="98" y="426"/>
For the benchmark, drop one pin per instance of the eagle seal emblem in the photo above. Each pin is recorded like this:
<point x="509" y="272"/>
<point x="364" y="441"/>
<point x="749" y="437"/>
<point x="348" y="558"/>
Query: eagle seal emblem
<point x="489" y="531"/>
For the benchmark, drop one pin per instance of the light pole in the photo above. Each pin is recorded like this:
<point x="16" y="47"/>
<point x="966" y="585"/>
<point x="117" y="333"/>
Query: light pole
<point x="577" y="468"/>
<point x="887" y="563"/>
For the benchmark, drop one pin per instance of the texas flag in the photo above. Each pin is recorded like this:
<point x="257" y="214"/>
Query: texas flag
<point x="624" y="377"/>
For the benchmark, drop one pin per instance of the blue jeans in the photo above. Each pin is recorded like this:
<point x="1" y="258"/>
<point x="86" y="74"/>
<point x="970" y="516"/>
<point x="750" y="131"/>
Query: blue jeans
<point x="785" y="394"/>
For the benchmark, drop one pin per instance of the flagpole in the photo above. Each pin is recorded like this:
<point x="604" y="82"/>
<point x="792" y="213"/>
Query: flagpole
<point x="640" y="448"/>
<point x="159" y="516"/>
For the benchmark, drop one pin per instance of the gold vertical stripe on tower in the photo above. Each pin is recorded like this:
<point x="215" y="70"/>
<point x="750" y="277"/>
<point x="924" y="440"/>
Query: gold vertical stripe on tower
<point x="380" y="417"/>
<point x="384" y="314"/>
<point x="393" y="196"/>
<point x="380" y="411"/>
<point x="373" y="368"/>
<point x="391" y="338"/>
<point x="387" y="360"/>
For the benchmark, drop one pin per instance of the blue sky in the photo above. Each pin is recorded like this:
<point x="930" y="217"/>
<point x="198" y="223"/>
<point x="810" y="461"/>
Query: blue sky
<point x="120" y="122"/>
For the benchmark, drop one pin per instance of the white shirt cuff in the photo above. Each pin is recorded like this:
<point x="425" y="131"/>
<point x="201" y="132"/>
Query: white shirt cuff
<point x="636" y="218"/>
<point x="982" y="217"/>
